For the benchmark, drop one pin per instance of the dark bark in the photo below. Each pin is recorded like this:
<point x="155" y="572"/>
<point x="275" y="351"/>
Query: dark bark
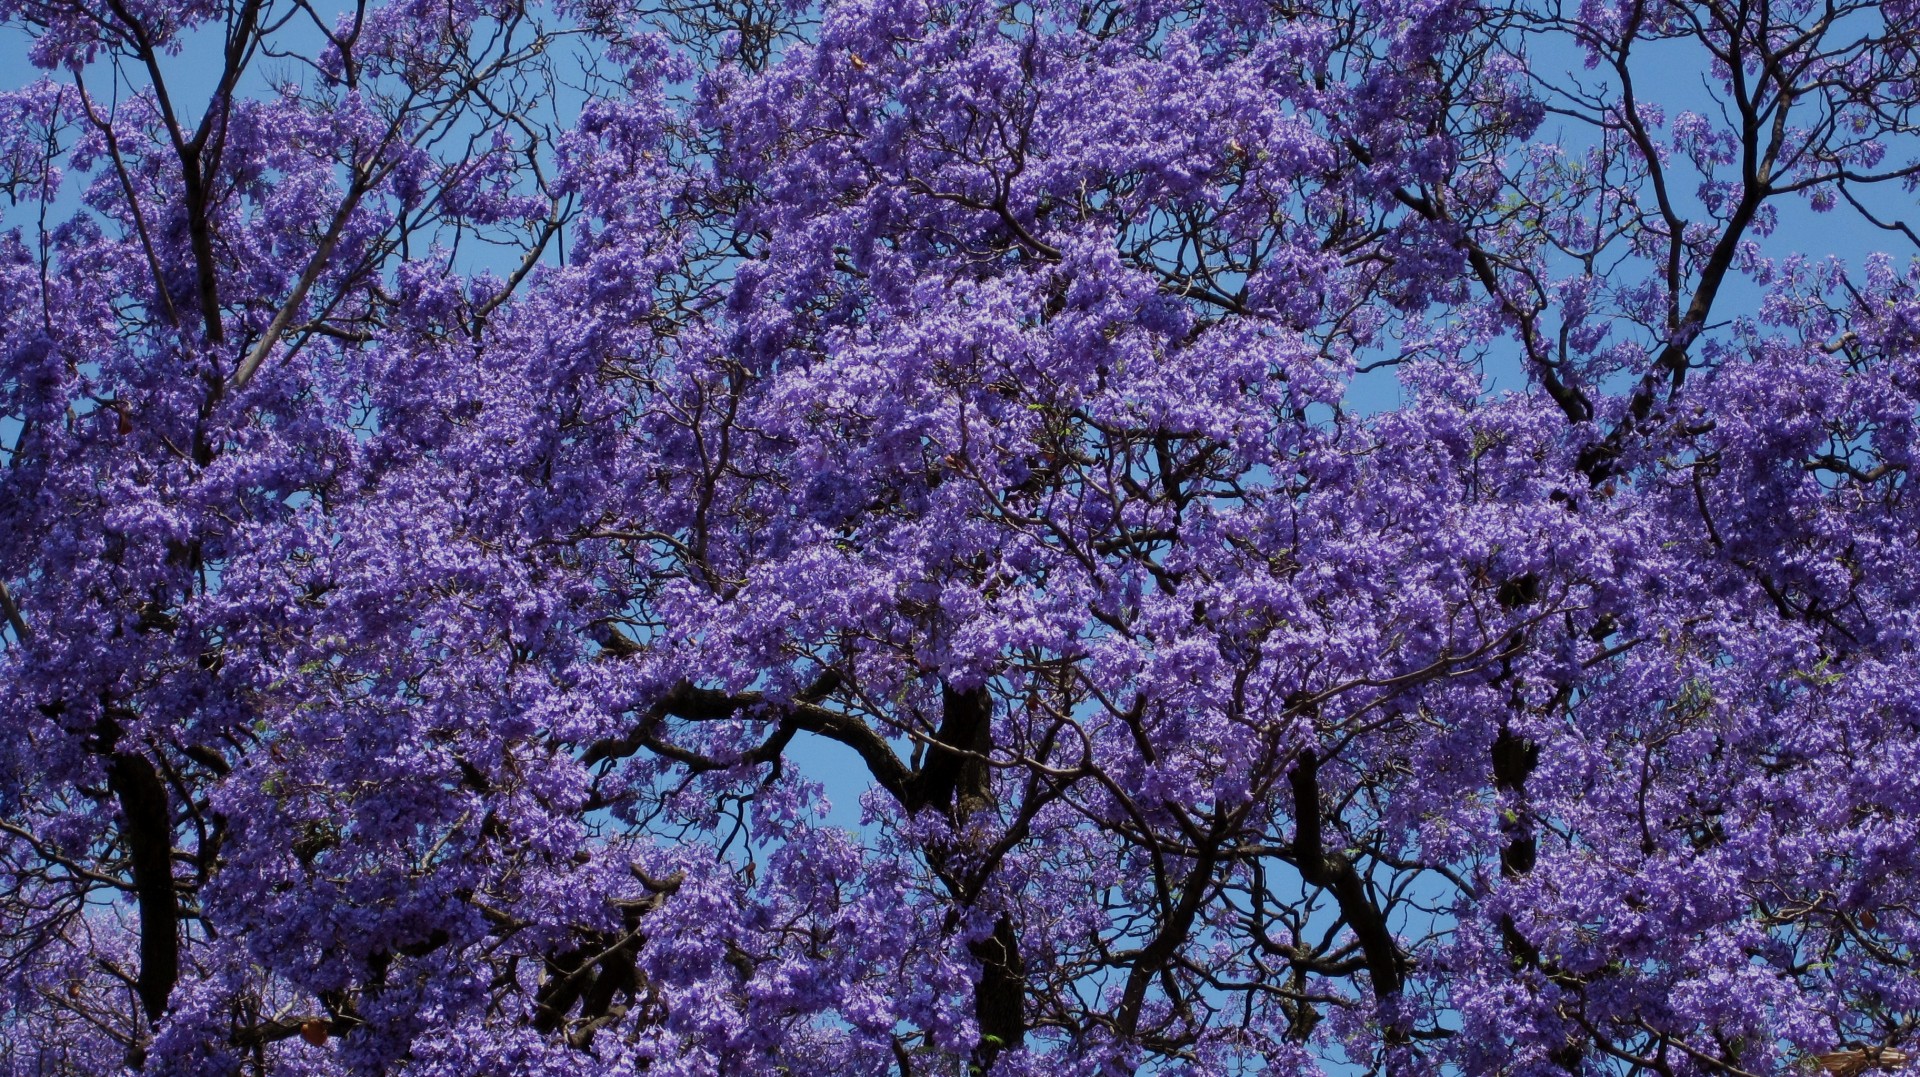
<point x="148" y="831"/>
<point x="956" y="760"/>
<point x="999" y="1000"/>
<point x="1337" y="874"/>
<point x="200" y="232"/>
<point x="1514" y="758"/>
<point x="1152" y="959"/>
<point x="956" y="779"/>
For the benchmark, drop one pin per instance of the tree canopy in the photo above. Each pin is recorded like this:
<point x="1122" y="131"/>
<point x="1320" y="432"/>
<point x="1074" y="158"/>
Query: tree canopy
<point x="1337" y="536"/>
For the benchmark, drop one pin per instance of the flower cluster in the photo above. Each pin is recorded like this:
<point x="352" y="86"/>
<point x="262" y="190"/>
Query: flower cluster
<point x="1342" y="535"/>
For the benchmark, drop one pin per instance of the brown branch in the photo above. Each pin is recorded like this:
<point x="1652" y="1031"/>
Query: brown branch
<point x="1337" y="874"/>
<point x="148" y="830"/>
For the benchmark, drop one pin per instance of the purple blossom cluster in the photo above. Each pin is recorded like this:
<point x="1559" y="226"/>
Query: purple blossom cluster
<point x="1336" y="536"/>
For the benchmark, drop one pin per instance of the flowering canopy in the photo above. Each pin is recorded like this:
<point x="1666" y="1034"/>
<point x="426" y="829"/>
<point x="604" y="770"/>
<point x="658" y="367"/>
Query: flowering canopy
<point x="458" y="454"/>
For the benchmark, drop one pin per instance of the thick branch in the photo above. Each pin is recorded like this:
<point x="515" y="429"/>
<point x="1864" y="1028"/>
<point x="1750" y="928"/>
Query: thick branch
<point x="690" y="703"/>
<point x="1338" y="876"/>
<point x="956" y="758"/>
<point x="148" y="829"/>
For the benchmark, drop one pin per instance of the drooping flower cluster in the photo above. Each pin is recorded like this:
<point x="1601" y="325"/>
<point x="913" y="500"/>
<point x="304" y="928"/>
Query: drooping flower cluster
<point x="467" y="465"/>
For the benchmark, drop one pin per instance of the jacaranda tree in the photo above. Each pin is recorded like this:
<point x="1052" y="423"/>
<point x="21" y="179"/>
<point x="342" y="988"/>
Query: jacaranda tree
<point x="1338" y="536"/>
